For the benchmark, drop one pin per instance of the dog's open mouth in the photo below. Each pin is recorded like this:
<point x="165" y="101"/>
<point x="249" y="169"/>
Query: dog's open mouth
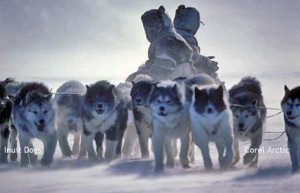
<point x="100" y="111"/>
<point x="162" y="114"/>
<point x="72" y="127"/>
<point x="40" y="127"/>
<point x="292" y="117"/>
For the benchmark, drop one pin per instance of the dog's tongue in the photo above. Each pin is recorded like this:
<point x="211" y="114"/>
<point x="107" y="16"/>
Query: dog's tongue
<point x="41" y="127"/>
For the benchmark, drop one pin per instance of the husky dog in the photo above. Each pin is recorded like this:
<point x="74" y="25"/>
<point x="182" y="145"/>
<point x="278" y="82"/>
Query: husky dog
<point x="5" y="113"/>
<point x="33" y="116"/>
<point x="290" y="105"/>
<point x="140" y="94"/>
<point x="211" y="120"/>
<point x="103" y="111"/>
<point x="169" y="113"/>
<point x="68" y="119"/>
<point x="249" y="115"/>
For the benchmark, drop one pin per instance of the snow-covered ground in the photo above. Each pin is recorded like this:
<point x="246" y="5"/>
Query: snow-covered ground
<point x="135" y="175"/>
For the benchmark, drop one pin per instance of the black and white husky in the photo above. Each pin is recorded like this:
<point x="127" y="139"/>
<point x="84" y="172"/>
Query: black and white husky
<point x="249" y="114"/>
<point x="211" y="121"/>
<point x="169" y="112"/>
<point x="5" y="113"/>
<point x="33" y="116"/>
<point x="103" y="111"/>
<point x="68" y="119"/>
<point x="290" y="105"/>
<point x="140" y="94"/>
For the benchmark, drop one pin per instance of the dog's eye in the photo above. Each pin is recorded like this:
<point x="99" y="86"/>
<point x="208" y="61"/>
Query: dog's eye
<point x="253" y="113"/>
<point x="298" y="105"/>
<point x="35" y="112"/>
<point x="237" y="116"/>
<point x="158" y="101"/>
<point x="169" y="102"/>
<point x="45" y="112"/>
<point x="288" y="104"/>
<point x="246" y="116"/>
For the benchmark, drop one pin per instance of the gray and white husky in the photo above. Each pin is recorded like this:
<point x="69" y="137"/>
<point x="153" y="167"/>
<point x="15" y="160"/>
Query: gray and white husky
<point x="68" y="119"/>
<point x="290" y="105"/>
<point x="211" y="121"/>
<point x="103" y="111"/>
<point x="33" y="116"/>
<point x="140" y="94"/>
<point x="169" y="112"/>
<point x="249" y="114"/>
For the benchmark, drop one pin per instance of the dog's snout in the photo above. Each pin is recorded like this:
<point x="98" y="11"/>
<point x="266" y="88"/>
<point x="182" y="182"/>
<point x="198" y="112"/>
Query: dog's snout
<point x="289" y="113"/>
<point x="161" y="108"/>
<point x="138" y="100"/>
<point x="209" y="110"/>
<point x="70" y="121"/>
<point x="42" y="121"/>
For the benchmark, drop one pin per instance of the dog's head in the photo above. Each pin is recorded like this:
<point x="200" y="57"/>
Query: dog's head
<point x="39" y="109"/>
<point x="100" y="97"/>
<point x="166" y="98"/>
<point x="68" y="112"/>
<point x="290" y="103"/>
<point x="140" y="93"/>
<point x="246" y="112"/>
<point x="209" y="100"/>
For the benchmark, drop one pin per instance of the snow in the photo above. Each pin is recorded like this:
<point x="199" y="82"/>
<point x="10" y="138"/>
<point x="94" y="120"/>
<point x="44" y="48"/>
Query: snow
<point x="135" y="175"/>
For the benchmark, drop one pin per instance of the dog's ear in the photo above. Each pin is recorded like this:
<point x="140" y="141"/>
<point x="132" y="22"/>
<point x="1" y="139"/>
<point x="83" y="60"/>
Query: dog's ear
<point x="28" y="98"/>
<point x="197" y="91"/>
<point x="48" y="97"/>
<point x="254" y="103"/>
<point x="111" y="87"/>
<point x="175" y="89"/>
<point x="220" y="90"/>
<point x="286" y="89"/>
<point x="162" y="9"/>
<point x="87" y="87"/>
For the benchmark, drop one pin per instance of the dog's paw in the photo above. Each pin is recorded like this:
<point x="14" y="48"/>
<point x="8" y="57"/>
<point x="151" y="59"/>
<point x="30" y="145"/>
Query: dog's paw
<point x="186" y="166"/>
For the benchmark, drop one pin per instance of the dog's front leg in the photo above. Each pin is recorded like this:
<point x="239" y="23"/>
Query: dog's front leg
<point x="4" y="144"/>
<point x="236" y="151"/>
<point x="89" y="139"/>
<point x="158" y="147"/>
<point x="169" y="151"/>
<point x="83" y="150"/>
<point x="111" y="146"/>
<point x="13" y="143"/>
<point x="143" y="135"/>
<point x="24" y="141"/>
<point x="252" y="155"/>
<point x="294" y="155"/>
<point x="50" y="142"/>
<point x="63" y="142"/>
<point x="184" y="150"/>
<point x="201" y="140"/>
<point x="75" y="147"/>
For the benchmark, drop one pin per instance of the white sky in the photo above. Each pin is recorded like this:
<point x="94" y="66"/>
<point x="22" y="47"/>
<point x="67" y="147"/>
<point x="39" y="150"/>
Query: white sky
<point x="98" y="39"/>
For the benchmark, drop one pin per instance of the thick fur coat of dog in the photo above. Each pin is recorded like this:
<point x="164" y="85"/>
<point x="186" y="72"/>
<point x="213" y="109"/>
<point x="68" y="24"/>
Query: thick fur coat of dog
<point x="105" y="112"/>
<point x="68" y="119"/>
<point x="169" y="112"/>
<point x="249" y="115"/>
<point x="290" y="105"/>
<point x="211" y="121"/>
<point x="33" y="116"/>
